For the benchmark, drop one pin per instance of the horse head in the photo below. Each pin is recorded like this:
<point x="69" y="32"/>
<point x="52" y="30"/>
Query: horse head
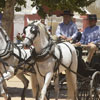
<point x="31" y="31"/>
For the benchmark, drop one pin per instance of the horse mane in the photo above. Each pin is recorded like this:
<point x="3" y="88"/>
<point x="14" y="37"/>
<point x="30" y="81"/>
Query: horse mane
<point x="42" y="28"/>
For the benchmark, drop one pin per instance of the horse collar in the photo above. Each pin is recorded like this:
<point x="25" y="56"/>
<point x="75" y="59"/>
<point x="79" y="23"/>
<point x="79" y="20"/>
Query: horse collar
<point x="45" y="52"/>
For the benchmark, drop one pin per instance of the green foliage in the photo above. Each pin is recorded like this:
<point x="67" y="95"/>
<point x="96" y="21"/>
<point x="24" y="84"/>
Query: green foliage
<point x="74" y="5"/>
<point x="18" y="4"/>
<point x="2" y="4"/>
<point x="41" y="12"/>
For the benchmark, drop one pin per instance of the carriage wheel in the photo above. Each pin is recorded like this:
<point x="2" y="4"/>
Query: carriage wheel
<point x="95" y="86"/>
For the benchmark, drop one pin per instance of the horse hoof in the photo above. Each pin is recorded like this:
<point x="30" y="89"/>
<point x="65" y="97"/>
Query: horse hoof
<point x="9" y="98"/>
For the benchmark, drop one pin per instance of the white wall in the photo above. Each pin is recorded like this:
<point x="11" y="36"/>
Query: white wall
<point x="18" y="25"/>
<point x="27" y="10"/>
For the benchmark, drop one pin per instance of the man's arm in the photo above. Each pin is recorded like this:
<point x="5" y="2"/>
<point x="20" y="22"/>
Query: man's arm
<point x="75" y="32"/>
<point x="59" y="34"/>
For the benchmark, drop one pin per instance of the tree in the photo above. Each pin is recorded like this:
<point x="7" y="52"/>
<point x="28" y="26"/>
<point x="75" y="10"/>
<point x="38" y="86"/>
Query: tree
<point x="53" y="5"/>
<point x="8" y="7"/>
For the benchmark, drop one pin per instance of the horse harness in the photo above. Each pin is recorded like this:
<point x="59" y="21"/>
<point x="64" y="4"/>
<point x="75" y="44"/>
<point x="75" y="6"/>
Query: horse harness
<point x="23" y="61"/>
<point x="8" y="52"/>
<point x="48" y="52"/>
<point x="8" y="48"/>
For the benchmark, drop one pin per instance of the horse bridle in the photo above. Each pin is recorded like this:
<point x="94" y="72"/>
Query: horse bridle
<point x="36" y="30"/>
<point x="46" y="50"/>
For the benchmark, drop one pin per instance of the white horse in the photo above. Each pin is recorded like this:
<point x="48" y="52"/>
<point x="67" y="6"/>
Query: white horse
<point x="48" y="55"/>
<point x="11" y="55"/>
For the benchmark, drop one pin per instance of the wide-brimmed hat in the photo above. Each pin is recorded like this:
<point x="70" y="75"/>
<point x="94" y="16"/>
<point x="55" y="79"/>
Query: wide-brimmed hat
<point x="67" y="12"/>
<point x="92" y="17"/>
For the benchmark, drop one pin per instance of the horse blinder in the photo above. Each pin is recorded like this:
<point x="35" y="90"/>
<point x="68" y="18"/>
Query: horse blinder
<point x="34" y="30"/>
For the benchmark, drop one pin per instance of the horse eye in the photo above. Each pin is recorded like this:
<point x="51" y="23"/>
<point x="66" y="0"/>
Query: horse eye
<point x="32" y="29"/>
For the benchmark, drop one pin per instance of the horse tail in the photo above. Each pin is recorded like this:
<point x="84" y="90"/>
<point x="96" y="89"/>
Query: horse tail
<point x="34" y="84"/>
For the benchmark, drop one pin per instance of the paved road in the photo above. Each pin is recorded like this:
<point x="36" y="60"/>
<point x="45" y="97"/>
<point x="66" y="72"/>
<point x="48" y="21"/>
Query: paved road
<point x="15" y="87"/>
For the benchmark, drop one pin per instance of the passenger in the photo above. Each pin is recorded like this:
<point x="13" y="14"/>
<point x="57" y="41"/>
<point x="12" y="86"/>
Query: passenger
<point x="67" y="30"/>
<point x="90" y="37"/>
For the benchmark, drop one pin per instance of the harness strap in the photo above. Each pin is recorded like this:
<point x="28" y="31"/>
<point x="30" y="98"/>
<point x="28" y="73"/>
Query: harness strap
<point x="71" y="54"/>
<point x="45" y="52"/>
<point x="30" y="68"/>
<point x="23" y="62"/>
<point x="57" y="62"/>
<point x="4" y="64"/>
<point x="7" y="51"/>
<point x="19" y="57"/>
<point x="1" y="74"/>
<point x="39" y="71"/>
<point x="8" y="46"/>
<point x="68" y="68"/>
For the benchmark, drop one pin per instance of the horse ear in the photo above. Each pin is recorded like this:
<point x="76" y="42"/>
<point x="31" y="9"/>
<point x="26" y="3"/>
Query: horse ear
<point x="28" y="21"/>
<point x="38" y="21"/>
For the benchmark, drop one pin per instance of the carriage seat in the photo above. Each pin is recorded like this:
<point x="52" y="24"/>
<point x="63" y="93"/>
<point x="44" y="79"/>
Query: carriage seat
<point x="98" y="48"/>
<point x="84" y="52"/>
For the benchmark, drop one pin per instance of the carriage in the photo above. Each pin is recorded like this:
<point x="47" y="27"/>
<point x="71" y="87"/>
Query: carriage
<point x="88" y="80"/>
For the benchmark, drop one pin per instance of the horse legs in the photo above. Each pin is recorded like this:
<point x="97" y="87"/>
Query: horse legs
<point x="3" y="86"/>
<point x="39" y="86"/>
<point x="3" y="91"/>
<point x="34" y="84"/>
<point x="7" y="75"/>
<point x="56" y="84"/>
<point x="71" y="84"/>
<point x="46" y="84"/>
<point x="72" y="78"/>
<point x="25" y="82"/>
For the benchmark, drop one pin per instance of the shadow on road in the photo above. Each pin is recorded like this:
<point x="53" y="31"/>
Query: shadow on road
<point x="16" y="92"/>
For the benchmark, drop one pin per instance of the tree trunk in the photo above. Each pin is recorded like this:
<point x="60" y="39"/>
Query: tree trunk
<point x="8" y="16"/>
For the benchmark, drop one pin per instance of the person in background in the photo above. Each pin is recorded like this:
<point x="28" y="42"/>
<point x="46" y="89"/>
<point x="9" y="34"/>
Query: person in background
<point x="43" y="21"/>
<point x="90" y="37"/>
<point x="67" y="30"/>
